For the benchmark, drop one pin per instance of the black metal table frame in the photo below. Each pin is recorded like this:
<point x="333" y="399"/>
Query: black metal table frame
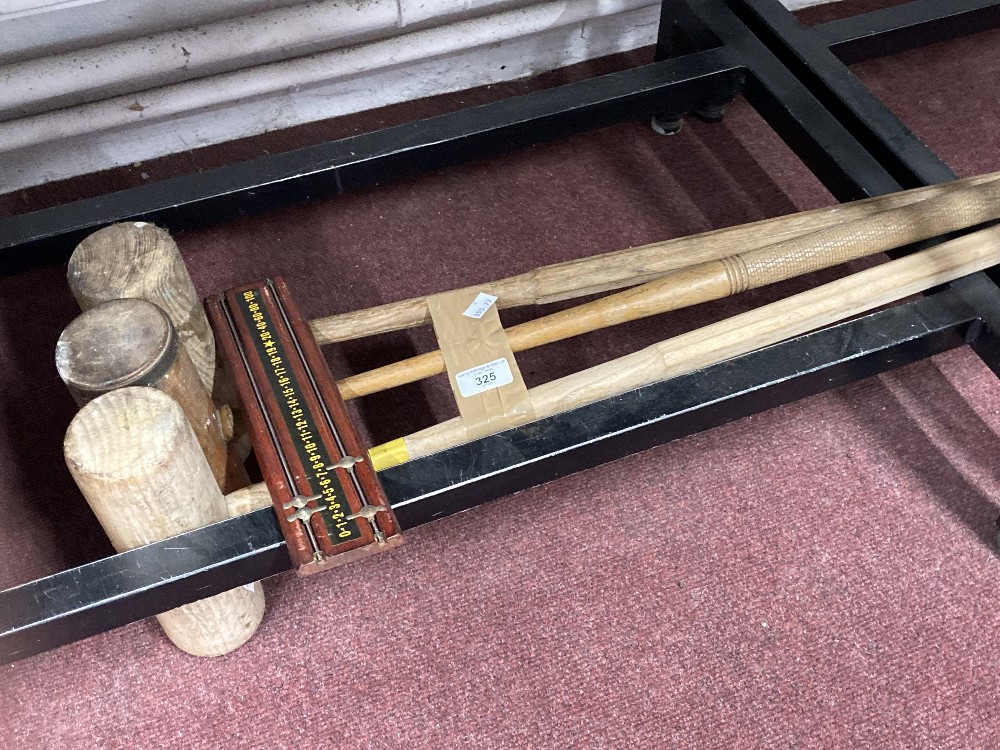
<point x="796" y="78"/>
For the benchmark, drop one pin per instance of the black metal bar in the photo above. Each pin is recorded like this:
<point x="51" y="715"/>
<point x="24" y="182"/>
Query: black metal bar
<point x="816" y="136"/>
<point x="325" y="170"/>
<point x="869" y="121"/>
<point x="694" y="35"/>
<point x="903" y="27"/>
<point x="81" y="602"/>
<point x="665" y="31"/>
<point x="105" y="594"/>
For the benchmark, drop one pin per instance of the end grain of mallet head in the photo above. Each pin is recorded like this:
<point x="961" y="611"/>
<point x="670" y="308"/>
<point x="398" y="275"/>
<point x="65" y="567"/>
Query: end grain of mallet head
<point x="131" y="342"/>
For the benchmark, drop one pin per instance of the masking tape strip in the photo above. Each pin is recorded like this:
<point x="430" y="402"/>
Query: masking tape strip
<point x="482" y="371"/>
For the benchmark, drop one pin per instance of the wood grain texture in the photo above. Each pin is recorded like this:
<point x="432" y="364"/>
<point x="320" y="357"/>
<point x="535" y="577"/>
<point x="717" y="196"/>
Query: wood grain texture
<point x="687" y="286"/>
<point x="136" y="259"/>
<point x="622" y="268"/>
<point x="136" y="460"/>
<point x="132" y="342"/>
<point x="957" y="209"/>
<point x="247" y="499"/>
<point x="885" y="230"/>
<point x="822" y="306"/>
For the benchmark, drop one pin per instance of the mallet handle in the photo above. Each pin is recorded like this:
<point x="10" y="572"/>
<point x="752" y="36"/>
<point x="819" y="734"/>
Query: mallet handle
<point x="720" y="278"/>
<point x="767" y="325"/>
<point x="793" y="316"/>
<point x="622" y="268"/>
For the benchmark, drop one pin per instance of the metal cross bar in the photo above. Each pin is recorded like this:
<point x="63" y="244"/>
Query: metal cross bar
<point x="891" y="30"/>
<point x="904" y="155"/>
<point x="328" y="169"/>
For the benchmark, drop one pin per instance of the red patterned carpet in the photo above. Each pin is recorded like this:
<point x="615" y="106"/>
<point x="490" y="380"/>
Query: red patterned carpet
<point x="820" y="575"/>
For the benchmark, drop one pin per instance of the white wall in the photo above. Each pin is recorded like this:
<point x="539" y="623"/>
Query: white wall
<point x="34" y="28"/>
<point x="92" y="84"/>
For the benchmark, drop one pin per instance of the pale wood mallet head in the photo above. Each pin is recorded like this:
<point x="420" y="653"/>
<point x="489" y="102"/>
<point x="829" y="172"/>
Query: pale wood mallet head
<point x="135" y="458"/>
<point x="131" y="342"/>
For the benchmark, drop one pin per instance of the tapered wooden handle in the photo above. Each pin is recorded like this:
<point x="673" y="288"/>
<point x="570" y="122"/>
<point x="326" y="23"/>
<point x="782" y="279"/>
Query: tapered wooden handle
<point x="958" y="209"/>
<point x="770" y="324"/>
<point x="822" y="306"/>
<point x="622" y="268"/>
<point x="688" y="286"/>
<point x="134" y="456"/>
<point x="250" y="498"/>
<point x="711" y="280"/>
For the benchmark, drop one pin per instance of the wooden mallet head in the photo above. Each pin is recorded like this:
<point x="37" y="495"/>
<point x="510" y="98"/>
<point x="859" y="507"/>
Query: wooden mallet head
<point x="134" y="456"/>
<point x="142" y="261"/>
<point x="131" y="342"/>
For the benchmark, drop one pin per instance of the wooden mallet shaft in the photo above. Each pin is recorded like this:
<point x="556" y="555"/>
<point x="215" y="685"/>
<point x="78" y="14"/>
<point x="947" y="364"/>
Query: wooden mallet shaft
<point x="770" y="324"/>
<point x="709" y="345"/>
<point x="714" y="279"/>
<point x="622" y="268"/>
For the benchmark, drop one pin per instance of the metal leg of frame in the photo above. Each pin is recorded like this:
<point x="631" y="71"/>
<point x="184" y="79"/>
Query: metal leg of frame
<point x="691" y="36"/>
<point x="816" y="135"/>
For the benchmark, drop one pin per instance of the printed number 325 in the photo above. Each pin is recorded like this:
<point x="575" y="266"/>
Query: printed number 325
<point x="487" y="378"/>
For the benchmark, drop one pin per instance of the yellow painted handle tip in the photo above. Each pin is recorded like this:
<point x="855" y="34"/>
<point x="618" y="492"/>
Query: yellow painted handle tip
<point x="389" y="454"/>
